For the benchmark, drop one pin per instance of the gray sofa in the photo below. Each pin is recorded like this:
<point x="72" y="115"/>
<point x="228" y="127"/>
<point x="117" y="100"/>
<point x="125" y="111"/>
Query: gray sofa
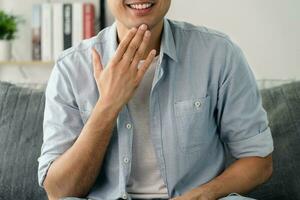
<point x="21" y="116"/>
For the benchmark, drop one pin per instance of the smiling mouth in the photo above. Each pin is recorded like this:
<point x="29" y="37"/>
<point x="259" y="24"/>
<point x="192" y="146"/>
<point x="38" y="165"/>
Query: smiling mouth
<point x="140" y="6"/>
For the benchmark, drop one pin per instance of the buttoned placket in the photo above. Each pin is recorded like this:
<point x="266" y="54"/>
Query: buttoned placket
<point x="155" y="119"/>
<point x="125" y="135"/>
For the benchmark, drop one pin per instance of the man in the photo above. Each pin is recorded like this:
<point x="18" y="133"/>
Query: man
<point x="146" y="109"/>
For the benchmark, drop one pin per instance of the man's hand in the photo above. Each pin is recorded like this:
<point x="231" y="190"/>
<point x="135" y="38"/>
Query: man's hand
<point x="195" y="194"/>
<point x="118" y="81"/>
<point x="240" y="177"/>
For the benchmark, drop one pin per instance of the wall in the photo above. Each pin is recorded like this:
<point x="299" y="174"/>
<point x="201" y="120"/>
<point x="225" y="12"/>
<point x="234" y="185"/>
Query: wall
<point x="268" y="31"/>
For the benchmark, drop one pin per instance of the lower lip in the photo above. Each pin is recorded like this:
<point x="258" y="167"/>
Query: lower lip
<point x="141" y="12"/>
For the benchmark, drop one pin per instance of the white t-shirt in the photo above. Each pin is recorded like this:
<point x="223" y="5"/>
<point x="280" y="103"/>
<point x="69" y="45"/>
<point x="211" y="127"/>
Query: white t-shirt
<point x="145" y="180"/>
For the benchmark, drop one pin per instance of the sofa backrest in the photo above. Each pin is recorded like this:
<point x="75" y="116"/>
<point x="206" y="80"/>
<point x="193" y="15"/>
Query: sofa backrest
<point x="282" y="104"/>
<point x="21" y="135"/>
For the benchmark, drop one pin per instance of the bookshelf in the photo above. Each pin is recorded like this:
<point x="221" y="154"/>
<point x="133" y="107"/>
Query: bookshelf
<point x="22" y="68"/>
<point x="26" y="63"/>
<point x="25" y="71"/>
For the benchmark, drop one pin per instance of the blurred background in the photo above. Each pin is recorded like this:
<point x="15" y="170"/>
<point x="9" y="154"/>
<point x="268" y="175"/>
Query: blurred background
<point x="268" y="32"/>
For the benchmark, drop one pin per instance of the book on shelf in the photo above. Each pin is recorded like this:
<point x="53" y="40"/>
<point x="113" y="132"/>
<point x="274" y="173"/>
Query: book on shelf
<point x="46" y="39"/>
<point x="36" y="32"/>
<point x="58" y="35"/>
<point x="88" y="21"/>
<point x="67" y="21"/>
<point x="59" y="26"/>
<point x="77" y="23"/>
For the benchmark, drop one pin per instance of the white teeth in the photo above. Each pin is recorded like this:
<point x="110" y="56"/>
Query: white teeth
<point x="141" y="6"/>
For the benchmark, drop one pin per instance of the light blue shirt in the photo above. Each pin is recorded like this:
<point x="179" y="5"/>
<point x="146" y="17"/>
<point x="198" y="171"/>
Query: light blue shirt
<point x="204" y="98"/>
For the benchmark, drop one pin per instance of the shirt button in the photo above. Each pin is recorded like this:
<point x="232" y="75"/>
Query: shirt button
<point x="126" y="160"/>
<point x="197" y="104"/>
<point x="124" y="196"/>
<point x="128" y="126"/>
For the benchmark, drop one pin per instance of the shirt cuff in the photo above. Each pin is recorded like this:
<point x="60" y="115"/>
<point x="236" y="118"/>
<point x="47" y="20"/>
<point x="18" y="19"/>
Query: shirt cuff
<point x="44" y="165"/>
<point x="260" y="145"/>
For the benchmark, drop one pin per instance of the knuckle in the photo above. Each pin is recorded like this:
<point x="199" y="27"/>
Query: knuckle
<point x="131" y="34"/>
<point x="126" y="57"/>
<point x="136" y="82"/>
<point x="122" y="72"/>
<point x="136" y="63"/>
<point x="123" y="45"/>
<point x="113" y="62"/>
<point x="129" y="49"/>
<point x="139" y="54"/>
<point x="142" y="69"/>
<point x="123" y="61"/>
<point x="133" y="46"/>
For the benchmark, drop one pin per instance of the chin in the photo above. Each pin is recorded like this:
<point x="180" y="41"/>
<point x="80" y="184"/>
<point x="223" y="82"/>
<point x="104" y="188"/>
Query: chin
<point x="137" y="23"/>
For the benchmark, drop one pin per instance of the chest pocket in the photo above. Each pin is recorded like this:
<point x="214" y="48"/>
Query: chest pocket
<point x="192" y="124"/>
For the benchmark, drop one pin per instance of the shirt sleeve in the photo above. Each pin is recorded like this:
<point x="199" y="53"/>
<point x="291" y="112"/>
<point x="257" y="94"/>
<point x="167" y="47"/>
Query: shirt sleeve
<point x="242" y="120"/>
<point x="62" y="121"/>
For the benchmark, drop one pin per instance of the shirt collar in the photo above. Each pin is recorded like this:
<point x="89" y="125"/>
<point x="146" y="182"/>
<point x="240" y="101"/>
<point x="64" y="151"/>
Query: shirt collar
<point x="167" y="41"/>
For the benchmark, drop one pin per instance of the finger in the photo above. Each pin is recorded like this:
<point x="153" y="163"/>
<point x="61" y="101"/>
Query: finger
<point x="97" y="65"/>
<point x="124" y="44"/>
<point x="134" y="45"/>
<point x="141" y="50"/>
<point x="142" y="70"/>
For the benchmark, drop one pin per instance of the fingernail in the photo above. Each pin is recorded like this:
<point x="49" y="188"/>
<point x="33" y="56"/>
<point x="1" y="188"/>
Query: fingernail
<point x="147" y="33"/>
<point x="134" y="29"/>
<point x="143" y="27"/>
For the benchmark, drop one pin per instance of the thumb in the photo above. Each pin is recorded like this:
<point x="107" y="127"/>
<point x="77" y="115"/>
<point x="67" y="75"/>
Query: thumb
<point x="97" y="65"/>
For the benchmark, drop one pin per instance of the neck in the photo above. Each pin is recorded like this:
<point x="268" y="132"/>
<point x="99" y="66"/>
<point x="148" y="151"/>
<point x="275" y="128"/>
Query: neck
<point x="155" y="39"/>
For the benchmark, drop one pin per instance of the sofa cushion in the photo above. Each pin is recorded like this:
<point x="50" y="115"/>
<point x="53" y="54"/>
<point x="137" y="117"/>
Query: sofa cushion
<point x="282" y="104"/>
<point x="21" y="118"/>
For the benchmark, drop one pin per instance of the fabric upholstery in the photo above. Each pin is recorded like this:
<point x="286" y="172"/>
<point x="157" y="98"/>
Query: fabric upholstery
<point x="282" y="104"/>
<point x="21" y="116"/>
